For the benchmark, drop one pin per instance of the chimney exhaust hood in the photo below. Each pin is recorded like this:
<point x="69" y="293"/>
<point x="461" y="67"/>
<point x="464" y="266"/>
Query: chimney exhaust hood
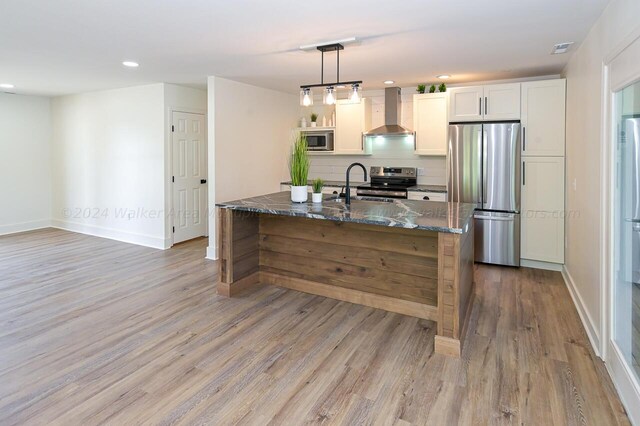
<point x="392" y="114"/>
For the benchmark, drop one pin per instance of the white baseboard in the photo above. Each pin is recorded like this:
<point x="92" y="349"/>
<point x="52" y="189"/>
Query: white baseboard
<point x="14" y="228"/>
<point x="588" y="323"/>
<point x="625" y="382"/>
<point x="212" y="253"/>
<point x="112" y="234"/>
<point x="541" y="265"/>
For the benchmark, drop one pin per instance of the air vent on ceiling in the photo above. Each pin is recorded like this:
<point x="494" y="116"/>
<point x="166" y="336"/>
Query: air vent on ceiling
<point x="561" y="48"/>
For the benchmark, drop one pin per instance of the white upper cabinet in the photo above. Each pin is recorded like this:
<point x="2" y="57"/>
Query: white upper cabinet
<point x="465" y="103"/>
<point x="542" y="209"/>
<point x="501" y="102"/>
<point x="352" y="120"/>
<point x="430" y="122"/>
<point x="543" y="118"/>
<point x="485" y="103"/>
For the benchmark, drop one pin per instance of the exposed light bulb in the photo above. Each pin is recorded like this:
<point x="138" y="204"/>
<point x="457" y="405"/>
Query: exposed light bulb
<point x="306" y="97"/>
<point x="354" y="96"/>
<point x="330" y="96"/>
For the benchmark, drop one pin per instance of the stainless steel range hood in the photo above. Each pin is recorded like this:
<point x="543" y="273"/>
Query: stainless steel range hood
<point x="392" y="113"/>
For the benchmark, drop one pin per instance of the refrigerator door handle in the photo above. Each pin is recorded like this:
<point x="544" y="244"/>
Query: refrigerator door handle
<point x="486" y="106"/>
<point x="509" y="218"/>
<point x="479" y="106"/>
<point x="524" y="173"/>
<point x="483" y="177"/>
<point x="524" y="138"/>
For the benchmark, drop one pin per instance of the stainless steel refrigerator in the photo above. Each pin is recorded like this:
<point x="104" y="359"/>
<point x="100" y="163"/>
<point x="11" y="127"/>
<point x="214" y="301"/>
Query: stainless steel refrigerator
<point x="632" y="182"/>
<point x="483" y="168"/>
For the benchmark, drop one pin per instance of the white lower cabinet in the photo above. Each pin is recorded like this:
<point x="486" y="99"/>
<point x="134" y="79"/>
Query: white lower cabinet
<point x="542" y="214"/>
<point x="430" y="196"/>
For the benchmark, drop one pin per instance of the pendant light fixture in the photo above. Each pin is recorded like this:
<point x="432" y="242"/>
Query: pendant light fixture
<point x="330" y="94"/>
<point x="306" y="97"/>
<point x="354" y="94"/>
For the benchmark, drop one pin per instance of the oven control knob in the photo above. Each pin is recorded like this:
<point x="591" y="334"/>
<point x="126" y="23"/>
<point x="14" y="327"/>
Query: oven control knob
<point x="426" y="197"/>
<point x="335" y="192"/>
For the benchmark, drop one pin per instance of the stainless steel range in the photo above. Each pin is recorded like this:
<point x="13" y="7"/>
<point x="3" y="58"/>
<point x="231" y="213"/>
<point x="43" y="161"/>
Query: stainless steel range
<point x="389" y="182"/>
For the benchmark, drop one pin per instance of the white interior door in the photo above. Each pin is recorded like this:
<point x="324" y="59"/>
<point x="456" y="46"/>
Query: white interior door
<point x="189" y="176"/>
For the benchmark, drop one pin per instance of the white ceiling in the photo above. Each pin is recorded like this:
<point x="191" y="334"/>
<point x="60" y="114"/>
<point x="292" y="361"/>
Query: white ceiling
<point x="68" y="46"/>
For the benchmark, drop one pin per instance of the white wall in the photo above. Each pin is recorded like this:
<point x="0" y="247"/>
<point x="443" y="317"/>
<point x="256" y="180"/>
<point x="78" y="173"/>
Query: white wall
<point x="250" y="130"/>
<point x="108" y="151"/>
<point x="585" y="121"/>
<point x="25" y="166"/>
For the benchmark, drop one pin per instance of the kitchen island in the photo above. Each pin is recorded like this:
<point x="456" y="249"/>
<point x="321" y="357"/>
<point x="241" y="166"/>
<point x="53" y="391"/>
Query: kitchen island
<point x="404" y="256"/>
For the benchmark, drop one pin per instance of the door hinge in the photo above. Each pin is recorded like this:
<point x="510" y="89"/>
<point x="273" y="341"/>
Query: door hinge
<point x="173" y="178"/>
<point x="173" y="129"/>
<point x="174" y="229"/>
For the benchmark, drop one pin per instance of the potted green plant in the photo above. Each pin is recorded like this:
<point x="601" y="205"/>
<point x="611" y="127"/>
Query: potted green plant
<point x="421" y="88"/>
<point x="442" y="88"/>
<point x="299" y="169"/>
<point x="432" y="89"/>
<point x="317" y="186"/>
<point x="314" y="118"/>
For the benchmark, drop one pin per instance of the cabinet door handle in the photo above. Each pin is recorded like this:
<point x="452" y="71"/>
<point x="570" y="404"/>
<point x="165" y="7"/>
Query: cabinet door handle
<point x="524" y="138"/>
<point x="486" y="106"/>
<point x="524" y="173"/>
<point x="426" y="197"/>
<point x="479" y="106"/>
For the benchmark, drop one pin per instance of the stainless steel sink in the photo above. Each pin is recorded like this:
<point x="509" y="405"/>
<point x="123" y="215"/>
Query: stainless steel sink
<point x="367" y="199"/>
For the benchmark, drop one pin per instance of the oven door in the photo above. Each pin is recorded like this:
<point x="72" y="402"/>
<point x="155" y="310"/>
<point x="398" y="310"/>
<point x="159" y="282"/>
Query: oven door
<point x="382" y="193"/>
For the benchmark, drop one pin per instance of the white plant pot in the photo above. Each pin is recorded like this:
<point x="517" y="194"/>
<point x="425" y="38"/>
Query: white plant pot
<point x="299" y="194"/>
<point x="314" y="124"/>
<point x="316" y="198"/>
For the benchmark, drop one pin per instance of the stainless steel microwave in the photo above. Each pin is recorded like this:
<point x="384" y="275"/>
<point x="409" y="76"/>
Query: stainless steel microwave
<point x="319" y="140"/>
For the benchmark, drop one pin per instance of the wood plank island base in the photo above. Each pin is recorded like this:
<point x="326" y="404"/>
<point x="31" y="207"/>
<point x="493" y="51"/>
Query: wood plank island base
<point x="409" y="257"/>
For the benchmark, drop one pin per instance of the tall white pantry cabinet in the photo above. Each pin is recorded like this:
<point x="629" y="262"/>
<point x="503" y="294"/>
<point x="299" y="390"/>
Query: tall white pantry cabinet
<point x="543" y="170"/>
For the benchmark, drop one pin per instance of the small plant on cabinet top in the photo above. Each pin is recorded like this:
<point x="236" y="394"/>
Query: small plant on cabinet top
<point x="442" y="88"/>
<point x="318" y="184"/>
<point x="314" y="117"/>
<point x="432" y="89"/>
<point x="421" y="88"/>
<point x="299" y="162"/>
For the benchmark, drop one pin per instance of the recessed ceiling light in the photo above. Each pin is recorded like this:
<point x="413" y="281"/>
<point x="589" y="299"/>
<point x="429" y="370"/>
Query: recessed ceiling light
<point x="561" y="48"/>
<point x="443" y="76"/>
<point x="6" y="86"/>
<point x="130" y="64"/>
<point x="389" y="82"/>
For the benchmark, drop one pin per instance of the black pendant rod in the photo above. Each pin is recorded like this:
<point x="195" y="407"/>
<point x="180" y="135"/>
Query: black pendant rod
<point x="337" y="47"/>
<point x="337" y="83"/>
<point x="322" y="68"/>
<point x="338" y="68"/>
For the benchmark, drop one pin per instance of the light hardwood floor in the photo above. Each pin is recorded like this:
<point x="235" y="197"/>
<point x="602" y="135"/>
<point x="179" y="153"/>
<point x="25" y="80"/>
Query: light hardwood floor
<point x="96" y="331"/>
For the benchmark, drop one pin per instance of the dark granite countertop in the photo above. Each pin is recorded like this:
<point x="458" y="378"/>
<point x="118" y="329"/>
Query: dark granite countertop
<point x="414" y="214"/>
<point x="417" y="188"/>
